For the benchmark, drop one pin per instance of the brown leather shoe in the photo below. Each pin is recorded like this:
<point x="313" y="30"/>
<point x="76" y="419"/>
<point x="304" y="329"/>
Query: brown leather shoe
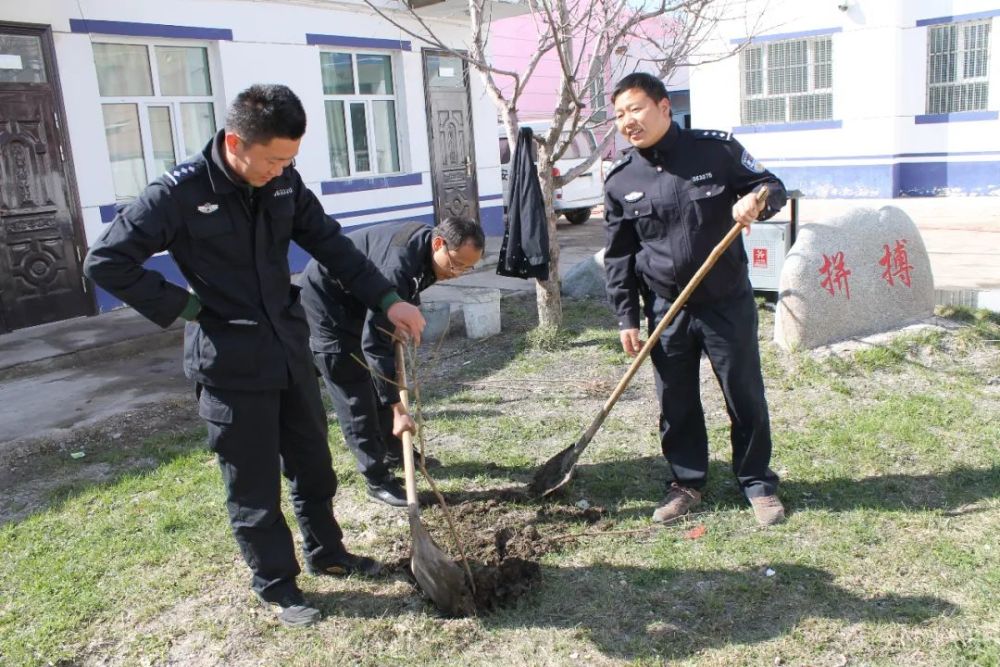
<point x="679" y="501"/>
<point x="768" y="510"/>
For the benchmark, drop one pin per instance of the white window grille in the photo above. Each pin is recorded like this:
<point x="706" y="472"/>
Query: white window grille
<point x="787" y="81"/>
<point x="360" y="98"/>
<point x="597" y="92"/>
<point x="158" y="108"/>
<point x="958" y="56"/>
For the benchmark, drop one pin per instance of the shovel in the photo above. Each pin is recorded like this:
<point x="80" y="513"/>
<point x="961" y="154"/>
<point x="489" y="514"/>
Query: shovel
<point x="558" y="470"/>
<point x="438" y="575"/>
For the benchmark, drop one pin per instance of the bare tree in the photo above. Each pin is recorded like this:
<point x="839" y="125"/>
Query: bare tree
<point x="586" y="36"/>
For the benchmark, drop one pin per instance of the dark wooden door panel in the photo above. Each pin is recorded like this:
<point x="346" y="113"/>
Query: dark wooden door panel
<point x="40" y="272"/>
<point x="453" y="160"/>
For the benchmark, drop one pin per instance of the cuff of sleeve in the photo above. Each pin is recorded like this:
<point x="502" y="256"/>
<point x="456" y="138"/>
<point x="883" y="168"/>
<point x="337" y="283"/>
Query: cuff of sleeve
<point x="191" y="309"/>
<point x="390" y="298"/>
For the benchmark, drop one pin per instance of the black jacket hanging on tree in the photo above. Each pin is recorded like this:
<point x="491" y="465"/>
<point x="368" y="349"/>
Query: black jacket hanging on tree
<point x="525" y="249"/>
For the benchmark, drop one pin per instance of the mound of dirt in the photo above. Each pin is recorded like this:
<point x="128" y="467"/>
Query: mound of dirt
<point x="503" y="544"/>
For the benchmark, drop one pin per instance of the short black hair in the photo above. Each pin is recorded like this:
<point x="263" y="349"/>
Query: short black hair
<point x="266" y="111"/>
<point x="645" y="82"/>
<point x="457" y="231"/>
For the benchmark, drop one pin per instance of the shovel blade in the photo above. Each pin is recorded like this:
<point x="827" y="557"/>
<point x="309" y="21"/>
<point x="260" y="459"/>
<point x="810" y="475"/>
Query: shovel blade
<point x="555" y="473"/>
<point x="437" y="575"/>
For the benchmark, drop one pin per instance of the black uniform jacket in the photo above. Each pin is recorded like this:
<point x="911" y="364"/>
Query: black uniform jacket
<point x="231" y="244"/>
<point x="402" y="252"/>
<point x="665" y="209"/>
<point x="524" y="252"/>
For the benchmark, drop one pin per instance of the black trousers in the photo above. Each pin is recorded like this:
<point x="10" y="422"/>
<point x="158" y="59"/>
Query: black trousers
<point x="365" y="421"/>
<point x="259" y="436"/>
<point x="727" y="332"/>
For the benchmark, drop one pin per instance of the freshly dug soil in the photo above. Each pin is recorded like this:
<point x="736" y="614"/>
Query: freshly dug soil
<point x="503" y="543"/>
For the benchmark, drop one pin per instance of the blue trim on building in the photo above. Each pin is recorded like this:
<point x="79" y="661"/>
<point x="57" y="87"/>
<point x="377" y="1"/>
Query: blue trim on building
<point x="499" y="195"/>
<point x="358" y="42"/>
<point x="108" y="212"/>
<point x="839" y="182"/>
<point x="491" y="218"/>
<point x="384" y="209"/>
<point x="892" y="156"/>
<point x="776" y="37"/>
<point x="958" y="18"/>
<point x="957" y="117"/>
<point x="133" y="29"/>
<point x="802" y="126"/>
<point x="931" y="179"/>
<point x="893" y="179"/>
<point x="374" y="183"/>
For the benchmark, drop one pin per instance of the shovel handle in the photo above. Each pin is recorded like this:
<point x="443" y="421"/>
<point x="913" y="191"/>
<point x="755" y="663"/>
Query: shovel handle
<point x="407" y="438"/>
<point x="675" y="308"/>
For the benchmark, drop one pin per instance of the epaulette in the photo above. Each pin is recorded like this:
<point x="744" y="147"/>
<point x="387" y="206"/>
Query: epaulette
<point x="618" y="164"/>
<point x="717" y="135"/>
<point x="182" y="172"/>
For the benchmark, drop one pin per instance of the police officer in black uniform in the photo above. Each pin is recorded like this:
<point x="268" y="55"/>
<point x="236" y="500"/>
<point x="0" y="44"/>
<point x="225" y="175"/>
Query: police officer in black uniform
<point x="227" y="217"/>
<point x="351" y="349"/>
<point x="668" y="201"/>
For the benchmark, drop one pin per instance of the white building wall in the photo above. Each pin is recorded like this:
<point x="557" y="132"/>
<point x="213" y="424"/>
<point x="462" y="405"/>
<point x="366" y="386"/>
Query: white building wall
<point x="878" y="147"/>
<point x="268" y="46"/>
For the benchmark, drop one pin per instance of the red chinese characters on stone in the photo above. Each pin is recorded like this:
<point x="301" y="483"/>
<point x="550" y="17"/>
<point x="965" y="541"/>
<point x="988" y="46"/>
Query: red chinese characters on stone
<point x="896" y="263"/>
<point x="835" y="275"/>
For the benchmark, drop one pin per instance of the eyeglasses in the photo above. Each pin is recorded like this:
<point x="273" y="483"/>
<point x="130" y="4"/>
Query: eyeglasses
<point x="457" y="269"/>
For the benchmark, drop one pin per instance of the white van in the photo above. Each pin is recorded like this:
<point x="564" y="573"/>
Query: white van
<point x="575" y="199"/>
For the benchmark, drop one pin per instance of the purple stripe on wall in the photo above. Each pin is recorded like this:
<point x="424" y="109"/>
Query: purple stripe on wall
<point x="955" y="117"/>
<point x="148" y="29"/>
<point x="791" y="127"/>
<point x="374" y="183"/>
<point x="490" y="217"/>
<point x="384" y="209"/>
<point x="959" y="18"/>
<point x="359" y="42"/>
<point x="108" y="212"/>
<point x="760" y="39"/>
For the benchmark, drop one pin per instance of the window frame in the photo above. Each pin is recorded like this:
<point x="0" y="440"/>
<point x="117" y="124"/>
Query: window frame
<point x="173" y="102"/>
<point x="811" y="65"/>
<point x="368" y="101"/>
<point x="960" y="55"/>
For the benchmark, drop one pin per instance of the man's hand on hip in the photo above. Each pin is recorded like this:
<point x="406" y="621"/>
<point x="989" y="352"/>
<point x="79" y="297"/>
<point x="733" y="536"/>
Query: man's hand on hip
<point x="408" y="320"/>
<point x="630" y="341"/>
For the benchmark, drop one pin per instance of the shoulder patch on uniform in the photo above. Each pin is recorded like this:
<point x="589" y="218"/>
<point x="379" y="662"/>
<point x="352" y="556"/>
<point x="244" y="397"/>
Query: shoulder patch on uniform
<point x="618" y="164"/>
<point x="716" y="135"/>
<point x="182" y="172"/>
<point x="751" y="163"/>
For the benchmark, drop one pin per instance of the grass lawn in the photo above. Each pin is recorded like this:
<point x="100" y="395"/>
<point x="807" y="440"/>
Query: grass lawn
<point x="890" y="459"/>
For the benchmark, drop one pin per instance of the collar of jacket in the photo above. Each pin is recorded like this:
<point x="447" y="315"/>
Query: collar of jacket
<point x="661" y="149"/>
<point x="223" y="178"/>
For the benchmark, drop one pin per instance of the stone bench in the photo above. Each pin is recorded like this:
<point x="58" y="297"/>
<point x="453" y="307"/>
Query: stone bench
<point x="861" y="273"/>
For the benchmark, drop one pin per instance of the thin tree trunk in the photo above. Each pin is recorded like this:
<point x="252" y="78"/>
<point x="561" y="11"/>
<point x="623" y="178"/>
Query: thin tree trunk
<point x="547" y="296"/>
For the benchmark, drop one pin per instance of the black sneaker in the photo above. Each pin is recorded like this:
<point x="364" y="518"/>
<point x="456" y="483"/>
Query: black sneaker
<point x="292" y="610"/>
<point x="395" y="460"/>
<point x="345" y="565"/>
<point x="389" y="491"/>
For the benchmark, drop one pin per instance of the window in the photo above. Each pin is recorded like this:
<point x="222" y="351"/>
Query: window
<point x="158" y="109"/>
<point x="360" y="101"/>
<point x="596" y="92"/>
<point x="787" y="81"/>
<point x="958" y="56"/>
